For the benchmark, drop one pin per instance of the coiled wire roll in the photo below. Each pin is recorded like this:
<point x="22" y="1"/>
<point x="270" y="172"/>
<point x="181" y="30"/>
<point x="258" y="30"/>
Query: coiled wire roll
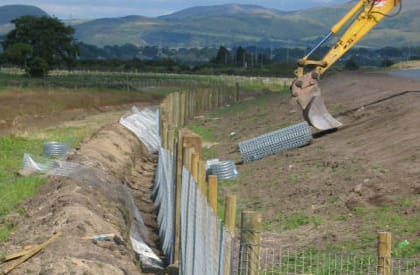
<point x="54" y="149"/>
<point x="224" y="170"/>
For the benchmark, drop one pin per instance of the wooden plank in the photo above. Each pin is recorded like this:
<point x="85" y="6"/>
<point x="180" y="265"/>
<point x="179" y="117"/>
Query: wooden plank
<point x="31" y="252"/>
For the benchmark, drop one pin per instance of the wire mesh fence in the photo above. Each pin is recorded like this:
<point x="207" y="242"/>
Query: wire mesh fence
<point x="191" y="234"/>
<point x="259" y="259"/>
<point x="205" y="244"/>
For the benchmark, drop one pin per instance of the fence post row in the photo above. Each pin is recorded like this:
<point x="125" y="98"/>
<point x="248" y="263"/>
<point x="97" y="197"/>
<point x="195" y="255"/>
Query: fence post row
<point x="175" y="111"/>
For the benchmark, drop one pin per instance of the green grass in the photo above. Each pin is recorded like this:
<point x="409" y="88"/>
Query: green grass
<point x="13" y="188"/>
<point x="389" y="218"/>
<point x="405" y="248"/>
<point x="208" y="153"/>
<point x="205" y="133"/>
<point x="296" y="220"/>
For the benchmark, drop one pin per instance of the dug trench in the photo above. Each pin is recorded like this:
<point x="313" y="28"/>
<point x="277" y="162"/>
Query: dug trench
<point x="368" y="166"/>
<point x="78" y="210"/>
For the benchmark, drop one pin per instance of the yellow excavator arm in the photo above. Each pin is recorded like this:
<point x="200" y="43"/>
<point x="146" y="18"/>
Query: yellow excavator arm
<point x="360" y="20"/>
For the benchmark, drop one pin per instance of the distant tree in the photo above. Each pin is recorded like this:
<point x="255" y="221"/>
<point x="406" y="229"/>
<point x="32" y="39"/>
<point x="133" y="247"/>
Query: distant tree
<point x="222" y="57"/>
<point x="387" y="62"/>
<point x="87" y="51"/>
<point x="38" y="67"/>
<point x="390" y="52"/>
<point x="126" y="51"/>
<point x="263" y="59"/>
<point x="241" y="57"/>
<point x="150" y="51"/>
<point x="40" y="38"/>
<point x="19" y="54"/>
<point x="351" y="65"/>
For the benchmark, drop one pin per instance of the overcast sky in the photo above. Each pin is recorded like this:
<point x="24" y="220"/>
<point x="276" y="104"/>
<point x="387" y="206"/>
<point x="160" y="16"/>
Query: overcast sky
<point x="72" y="9"/>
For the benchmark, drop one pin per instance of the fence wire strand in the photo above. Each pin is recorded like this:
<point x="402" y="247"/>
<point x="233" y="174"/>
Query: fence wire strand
<point x="286" y="260"/>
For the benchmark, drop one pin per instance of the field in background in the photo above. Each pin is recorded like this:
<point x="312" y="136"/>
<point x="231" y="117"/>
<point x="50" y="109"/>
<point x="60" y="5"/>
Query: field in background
<point x="69" y="108"/>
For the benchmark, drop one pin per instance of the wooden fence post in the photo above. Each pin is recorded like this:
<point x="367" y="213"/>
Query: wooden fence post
<point x="384" y="253"/>
<point x="182" y="106"/>
<point x="230" y="219"/>
<point x="187" y="106"/>
<point x="194" y="166"/>
<point x="171" y="139"/>
<point x="177" y="109"/>
<point x="212" y="198"/>
<point x="178" y="187"/>
<point x="202" y="178"/>
<point x="251" y="226"/>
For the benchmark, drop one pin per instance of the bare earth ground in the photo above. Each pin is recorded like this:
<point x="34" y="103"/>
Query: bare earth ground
<point x="374" y="160"/>
<point x="370" y="163"/>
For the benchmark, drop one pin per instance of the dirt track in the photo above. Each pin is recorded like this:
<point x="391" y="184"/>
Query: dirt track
<point x="374" y="160"/>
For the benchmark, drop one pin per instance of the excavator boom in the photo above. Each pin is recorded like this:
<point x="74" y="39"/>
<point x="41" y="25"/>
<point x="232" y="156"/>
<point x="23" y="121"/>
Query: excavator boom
<point x="360" y="20"/>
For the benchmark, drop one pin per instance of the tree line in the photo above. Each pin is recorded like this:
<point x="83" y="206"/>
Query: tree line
<point x="38" y="44"/>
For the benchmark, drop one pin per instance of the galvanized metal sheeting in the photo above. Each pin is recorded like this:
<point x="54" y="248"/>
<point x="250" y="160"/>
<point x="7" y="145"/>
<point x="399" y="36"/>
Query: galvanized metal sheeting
<point x="278" y="141"/>
<point x="164" y="199"/>
<point x="145" y="125"/>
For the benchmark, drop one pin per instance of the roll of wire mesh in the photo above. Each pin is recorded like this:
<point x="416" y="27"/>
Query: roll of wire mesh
<point x="292" y="137"/>
<point x="54" y="149"/>
<point x="224" y="170"/>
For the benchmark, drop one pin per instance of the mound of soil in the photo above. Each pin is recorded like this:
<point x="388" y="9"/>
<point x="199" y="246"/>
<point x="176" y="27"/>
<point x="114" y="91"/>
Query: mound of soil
<point x="78" y="210"/>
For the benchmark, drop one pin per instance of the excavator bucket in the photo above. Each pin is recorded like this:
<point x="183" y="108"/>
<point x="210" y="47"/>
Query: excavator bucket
<point x="317" y="115"/>
<point x="308" y="95"/>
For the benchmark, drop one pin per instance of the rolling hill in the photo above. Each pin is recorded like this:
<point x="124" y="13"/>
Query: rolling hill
<point x="234" y="24"/>
<point x="246" y="25"/>
<point x="10" y="12"/>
